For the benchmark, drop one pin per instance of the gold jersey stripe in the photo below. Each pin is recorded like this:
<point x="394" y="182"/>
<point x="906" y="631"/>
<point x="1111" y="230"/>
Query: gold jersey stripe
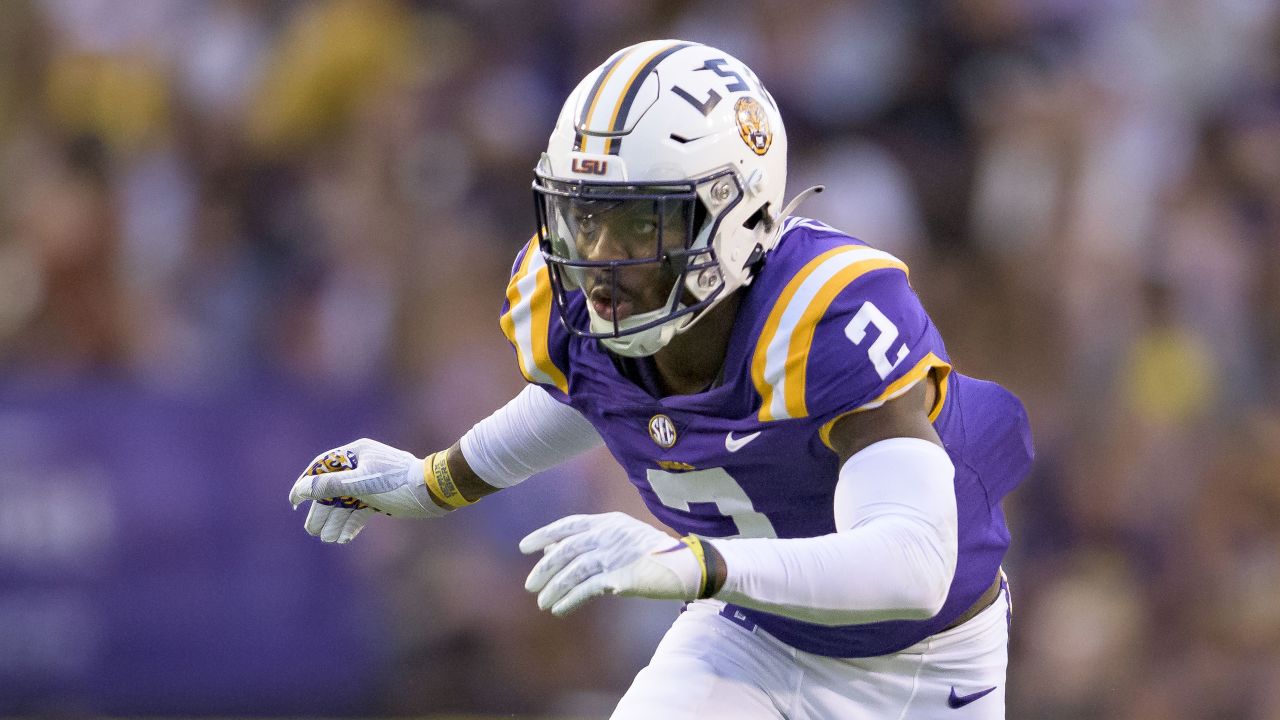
<point x="640" y="72"/>
<point x="780" y="364"/>
<point x="528" y="319"/>
<point x="541" y="313"/>
<point x="507" y="320"/>
<point x="771" y="324"/>
<point x="922" y="369"/>
<point x="802" y="337"/>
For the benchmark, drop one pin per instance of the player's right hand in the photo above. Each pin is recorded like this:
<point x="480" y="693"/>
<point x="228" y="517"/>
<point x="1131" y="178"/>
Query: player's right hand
<point x="348" y="484"/>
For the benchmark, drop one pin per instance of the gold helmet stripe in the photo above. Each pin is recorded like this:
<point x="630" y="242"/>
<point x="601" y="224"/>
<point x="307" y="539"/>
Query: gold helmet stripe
<point x="580" y="140"/>
<point x="629" y="92"/>
<point x="618" y="83"/>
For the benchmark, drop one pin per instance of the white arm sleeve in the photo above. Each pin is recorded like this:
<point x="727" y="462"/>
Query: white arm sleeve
<point x="892" y="556"/>
<point x="531" y="433"/>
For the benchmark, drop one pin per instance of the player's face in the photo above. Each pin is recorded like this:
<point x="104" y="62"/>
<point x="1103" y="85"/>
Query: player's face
<point x="627" y="250"/>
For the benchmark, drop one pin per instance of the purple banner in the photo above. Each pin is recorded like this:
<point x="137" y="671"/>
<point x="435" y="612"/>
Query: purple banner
<point x="150" y="563"/>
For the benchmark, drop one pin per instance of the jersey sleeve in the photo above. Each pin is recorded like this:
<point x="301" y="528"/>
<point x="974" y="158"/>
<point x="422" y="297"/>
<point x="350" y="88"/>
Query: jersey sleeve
<point x="847" y="334"/>
<point x="529" y="322"/>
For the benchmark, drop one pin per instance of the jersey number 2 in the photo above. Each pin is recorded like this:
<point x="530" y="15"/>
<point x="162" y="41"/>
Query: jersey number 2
<point x="856" y="331"/>
<point x="713" y="485"/>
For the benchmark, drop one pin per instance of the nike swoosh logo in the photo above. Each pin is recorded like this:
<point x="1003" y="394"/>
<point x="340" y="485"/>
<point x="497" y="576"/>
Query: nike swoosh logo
<point x="733" y="444"/>
<point x="955" y="702"/>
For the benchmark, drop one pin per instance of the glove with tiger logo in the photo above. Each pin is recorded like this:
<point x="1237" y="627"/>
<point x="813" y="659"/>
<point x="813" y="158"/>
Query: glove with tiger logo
<point x="348" y="484"/>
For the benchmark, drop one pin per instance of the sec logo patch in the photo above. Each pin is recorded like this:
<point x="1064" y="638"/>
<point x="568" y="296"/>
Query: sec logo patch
<point x="662" y="431"/>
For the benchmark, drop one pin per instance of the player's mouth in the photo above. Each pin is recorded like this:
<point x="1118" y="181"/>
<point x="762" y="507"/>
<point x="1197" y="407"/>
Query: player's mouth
<point x="608" y="305"/>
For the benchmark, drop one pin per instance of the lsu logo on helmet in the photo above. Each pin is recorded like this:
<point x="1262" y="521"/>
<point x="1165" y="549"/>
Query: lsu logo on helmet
<point x="753" y="125"/>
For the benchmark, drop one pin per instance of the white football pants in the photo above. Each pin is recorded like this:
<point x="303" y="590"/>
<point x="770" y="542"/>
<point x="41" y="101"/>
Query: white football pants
<point x="709" y="667"/>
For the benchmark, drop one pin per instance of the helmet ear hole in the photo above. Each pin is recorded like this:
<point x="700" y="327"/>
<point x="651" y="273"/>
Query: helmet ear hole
<point x="761" y="214"/>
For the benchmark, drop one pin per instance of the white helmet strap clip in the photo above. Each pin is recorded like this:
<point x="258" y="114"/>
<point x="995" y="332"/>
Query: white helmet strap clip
<point x="795" y="203"/>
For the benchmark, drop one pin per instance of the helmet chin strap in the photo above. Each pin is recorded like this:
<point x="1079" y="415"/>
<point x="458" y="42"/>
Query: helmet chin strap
<point x="644" y="342"/>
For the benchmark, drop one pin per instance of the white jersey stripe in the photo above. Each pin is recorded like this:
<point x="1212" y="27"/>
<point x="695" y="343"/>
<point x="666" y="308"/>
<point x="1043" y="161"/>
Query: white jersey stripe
<point x="775" y="370"/>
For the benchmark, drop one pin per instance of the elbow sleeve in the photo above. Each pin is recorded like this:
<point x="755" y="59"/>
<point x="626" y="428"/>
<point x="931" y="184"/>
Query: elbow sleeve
<point x="531" y="433"/>
<point x="893" y="555"/>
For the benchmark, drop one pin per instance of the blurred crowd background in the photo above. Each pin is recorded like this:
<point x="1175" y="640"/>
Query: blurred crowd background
<point x="235" y="233"/>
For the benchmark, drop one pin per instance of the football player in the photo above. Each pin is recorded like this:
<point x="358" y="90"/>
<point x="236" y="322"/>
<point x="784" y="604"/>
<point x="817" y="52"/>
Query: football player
<point x="778" y="397"/>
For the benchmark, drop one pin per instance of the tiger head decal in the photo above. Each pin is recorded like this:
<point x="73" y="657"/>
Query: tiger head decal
<point x="753" y="125"/>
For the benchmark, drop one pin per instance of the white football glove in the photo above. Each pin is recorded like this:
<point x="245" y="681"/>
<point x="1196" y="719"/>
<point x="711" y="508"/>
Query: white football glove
<point x="613" y="553"/>
<point x="348" y="484"/>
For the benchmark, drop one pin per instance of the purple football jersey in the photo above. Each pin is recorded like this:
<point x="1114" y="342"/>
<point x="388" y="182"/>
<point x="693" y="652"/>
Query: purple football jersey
<point x="828" y="326"/>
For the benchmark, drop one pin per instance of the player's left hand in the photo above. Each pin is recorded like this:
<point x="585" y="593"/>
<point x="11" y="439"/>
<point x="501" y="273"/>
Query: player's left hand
<point x="590" y="555"/>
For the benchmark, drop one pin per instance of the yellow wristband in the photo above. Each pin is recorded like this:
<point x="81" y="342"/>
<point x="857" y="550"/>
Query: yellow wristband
<point x="439" y="481"/>
<point x="698" y="552"/>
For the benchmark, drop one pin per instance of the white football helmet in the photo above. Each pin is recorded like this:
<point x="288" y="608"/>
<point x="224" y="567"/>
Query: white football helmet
<point x="666" y="168"/>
